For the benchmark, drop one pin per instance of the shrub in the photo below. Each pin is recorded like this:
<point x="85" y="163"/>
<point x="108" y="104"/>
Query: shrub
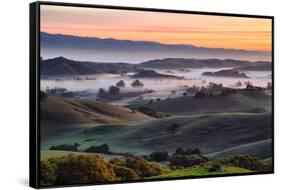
<point x="67" y="147"/>
<point x="104" y="148"/>
<point x="140" y="166"/>
<point x="73" y="169"/>
<point x="247" y="162"/>
<point x="121" y="83"/>
<point x="143" y="167"/>
<point x="117" y="161"/>
<point x="216" y="167"/>
<point x="179" y="151"/>
<point x="159" y="156"/>
<point x="196" y="151"/>
<point x="186" y="161"/>
<point x="83" y="169"/>
<point x="123" y="173"/>
<point x="48" y="172"/>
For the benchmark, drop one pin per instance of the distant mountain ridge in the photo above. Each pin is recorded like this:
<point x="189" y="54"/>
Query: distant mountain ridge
<point x="68" y="42"/>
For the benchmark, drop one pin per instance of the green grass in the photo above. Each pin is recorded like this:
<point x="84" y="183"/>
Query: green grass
<point x="200" y="171"/>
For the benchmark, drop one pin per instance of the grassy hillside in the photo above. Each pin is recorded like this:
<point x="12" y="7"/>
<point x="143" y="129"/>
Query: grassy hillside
<point x="210" y="132"/>
<point x="58" y="114"/>
<point x="200" y="171"/>
<point x="242" y="101"/>
<point x="261" y="149"/>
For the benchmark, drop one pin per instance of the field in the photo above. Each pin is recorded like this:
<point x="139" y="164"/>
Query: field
<point x="200" y="171"/>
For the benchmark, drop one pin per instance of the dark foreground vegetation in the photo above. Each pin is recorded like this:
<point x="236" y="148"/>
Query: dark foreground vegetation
<point x="91" y="168"/>
<point x="73" y="169"/>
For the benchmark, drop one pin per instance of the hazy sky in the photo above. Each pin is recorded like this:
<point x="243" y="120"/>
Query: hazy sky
<point x="171" y="28"/>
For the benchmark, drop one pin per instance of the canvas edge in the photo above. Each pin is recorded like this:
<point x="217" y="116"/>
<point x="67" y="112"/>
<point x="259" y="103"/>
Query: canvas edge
<point x="34" y="175"/>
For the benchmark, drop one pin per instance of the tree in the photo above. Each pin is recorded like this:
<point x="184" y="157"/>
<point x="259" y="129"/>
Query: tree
<point x="143" y="167"/>
<point x="114" y="90"/>
<point x="124" y="173"/>
<point x="73" y="169"/>
<point x="186" y="161"/>
<point x="137" y="83"/>
<point x="159" y="156"/>
<point x="101" y="92"/>
<point x="48" y="173"/>
<point x="104" y="148"/>
<point x="179" y="151"/>
<point x="248" y="162"/>
<point x="67" y="147"/>
<point x="121" y="83"/>
<point x="83" y="169"/>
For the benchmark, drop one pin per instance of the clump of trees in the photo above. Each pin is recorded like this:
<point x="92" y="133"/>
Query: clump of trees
<point x="73" y="169"/>
<point x="66" y="147"/>
<point x="137" y="83"/>
<point x="112" y="90"/>
<point x="187" y="160"/>
<point x="151" y="112"/>
<point x="143" y="168"/>
<point x="247" y="162"/>
<point x="159" y="156"/>
<point x="124" y="173"/>
<point x="121" y="83"/>
<point x="104" y="148"/>
<point x="216" y="167"/>
<point x="188" y="151"/>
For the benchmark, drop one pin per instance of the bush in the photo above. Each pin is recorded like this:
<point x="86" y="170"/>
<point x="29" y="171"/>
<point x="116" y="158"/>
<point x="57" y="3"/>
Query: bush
<point x="143" y="167"/>
<point x="196" y="151"/>
<point x="104" y="148"/>
<point x="73" y="169"/>
<point x="247" y="162"/>
<point x="159" y="156"/>
<point x="179" y="151"/>
<point x="187" y="161"/>
<point x="123" y="173"/>
<point x="140" y="166"/>
<point x="117" y="161"/>
<point x="216" y="167"/>
<point x="67" y="147"/>
<point x="48" y="172"/>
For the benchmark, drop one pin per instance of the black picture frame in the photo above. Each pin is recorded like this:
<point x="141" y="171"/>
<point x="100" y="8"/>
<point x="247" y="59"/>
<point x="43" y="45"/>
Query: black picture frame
<point x="34" y="82"/>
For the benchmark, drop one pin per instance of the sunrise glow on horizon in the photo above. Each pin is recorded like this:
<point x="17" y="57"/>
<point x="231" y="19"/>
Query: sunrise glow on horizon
<point x="169" y="28"/>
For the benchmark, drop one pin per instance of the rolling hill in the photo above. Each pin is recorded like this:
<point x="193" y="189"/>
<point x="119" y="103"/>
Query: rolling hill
<point x="212" y="133"/>
<point x="64" y="115"/>
<point x="63" y="66"/>
<point x="242" y="101"/>
<point x="176" y="63"/>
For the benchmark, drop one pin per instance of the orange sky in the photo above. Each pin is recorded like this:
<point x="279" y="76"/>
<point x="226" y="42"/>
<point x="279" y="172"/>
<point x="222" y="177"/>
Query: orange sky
<point x="171" y="28"/>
